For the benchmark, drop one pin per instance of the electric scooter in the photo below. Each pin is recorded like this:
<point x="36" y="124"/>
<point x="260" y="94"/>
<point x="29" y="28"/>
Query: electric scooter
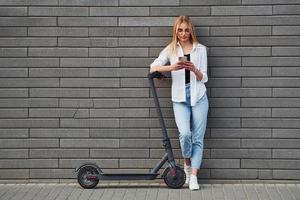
<point x="89" y="174"/>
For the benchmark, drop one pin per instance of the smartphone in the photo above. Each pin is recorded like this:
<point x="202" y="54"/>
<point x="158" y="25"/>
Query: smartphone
<point x="183" y="58"/>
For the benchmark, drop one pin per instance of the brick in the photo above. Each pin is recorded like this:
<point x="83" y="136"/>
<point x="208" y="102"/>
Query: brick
<point x="286" y="30"/>
<point x="118" y="52"/>
<point x="138" y="82"/>
<point x="13" y="133"/>
<point x="13" y="31"/>
<point x="57" y="31"/>
<point x="58" y="92"/>
<point x="52" y="174"/>
<point x="29" y="62"/>
<point x="224" y="102"/>
<point x="240" y="133"/>
<point x="122" y="113"/>
<point x="29" y="163"/>
<point x="141" y="103"/>
<point x="13" y="113"/>
<point x="165" y="112"/>
<point x="142" y="42"/>
<point x="265" y="174"/>
<point x="269" y="20"/>
<point x="277" y="164"/>
<point x="88" y="42"/>
<point x="58" y="52"/>
<point x="286" y="174"/>
<point x="105" y="103"/>
<point x="20" y="103"/>
<point x="270" y="143"/>
<point x="13" y="52"/>
<point x="119" y="11"/>
<point x="286" y="154"/>
<point x="220" y="163"/>
<point x="222" y="143"/>
<point x="234" y="174"/>
<point x="58" y="113"/>
<point x="285" y="112"/>
<point x="14" y="173"/>
<point x="158" y="153"/>
<point x="136" y="62"/>
<point x="240" y="31"/>
<point x="89" y="82"/>
<point x="58" y="11"/>
<point x="119" y="153"/>
<point x="28" y="143"/>
<point x="118" y="31"/>
<point x="13" y="2"/>
<point x="268" y="123"/>
<point x="241" y="10"/>
<point x="59" y="133"/>
<point x="285" y="133"/>
<point x="270" y="102"/>
<point x="28" y="21"/>
<point x="224" y="123"/>
<point x="240" y="72"/>
<point x="13" y="153"/>
<point x="240" y="112"/>
<point x="89" y="143"/>
<point x="28" y="123"/>
<point x="43" y="2"/>
<point x="29" y="82"/>
<point x="11" y="11"/>
<point x="210" y="2"/>
<point x="224" y="82"/>
<point x="138" y="163"/>
<point x="225" y="61"/>
<point x="149" y="3"/>
<point x="76" y="103"/>
<point x="146" y="21"/>
<point x="285" y="61"/>
<point x="119" y="133"/>
<point x="241" y="92"/>
<point x="58" y="72"/>
<point x="285" y="51"/>
<point x="88" y="3"/>
<point x="134" y="72"/>
<point x="90" y="62"/>
<point x="285" y="71"/>
<point x="215" y="21"/>
<point x="286" y="9"/>
<point x="89" y="123"/>
<point x="220" y="41"/>
<point x="270" y="82"/>
<point x="58" y="153"/>
<point x="270" y="41"/>
<point x="241" y="153"/>
<point x="104" y="72"/>
<point x="13" y="72"/>
<point x="141" y="123"/>
<point x="240" y="51"/>
<point x="87" y="21"/>
<point x="122" y="92"/>
<point x="175" y="11"/>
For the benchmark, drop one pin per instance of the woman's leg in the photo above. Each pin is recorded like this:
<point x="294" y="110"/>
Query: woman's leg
<point x="182" y="115"/>
<point x="199" y="120"/>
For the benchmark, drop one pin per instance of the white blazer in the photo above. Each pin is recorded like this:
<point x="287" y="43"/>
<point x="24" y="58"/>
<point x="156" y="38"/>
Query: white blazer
<point x="199" y="58"/>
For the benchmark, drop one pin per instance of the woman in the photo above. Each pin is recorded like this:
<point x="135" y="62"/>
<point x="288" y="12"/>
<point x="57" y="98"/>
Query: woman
<point x="190" y="103"/>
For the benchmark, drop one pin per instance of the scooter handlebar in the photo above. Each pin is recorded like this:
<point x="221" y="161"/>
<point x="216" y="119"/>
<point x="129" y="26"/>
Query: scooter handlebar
<point x="157" y="75"/>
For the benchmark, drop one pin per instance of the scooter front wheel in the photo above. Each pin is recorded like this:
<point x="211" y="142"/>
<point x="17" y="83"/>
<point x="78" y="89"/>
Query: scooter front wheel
<point x="84" y="173"/>
<point x="174" y="177"/>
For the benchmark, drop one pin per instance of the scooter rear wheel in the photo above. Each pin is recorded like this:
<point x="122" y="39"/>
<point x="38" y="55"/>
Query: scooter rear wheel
<point x="174" y="178"/>
<point x="82" y="177"/>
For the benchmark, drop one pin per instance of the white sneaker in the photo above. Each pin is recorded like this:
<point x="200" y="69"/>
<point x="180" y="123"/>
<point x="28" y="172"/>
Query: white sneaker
<point x="187" y="171"/>
<point x="193" y="182"/>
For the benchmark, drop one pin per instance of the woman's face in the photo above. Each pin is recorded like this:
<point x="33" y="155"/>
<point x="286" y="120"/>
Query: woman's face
<point x="183" y="33"/>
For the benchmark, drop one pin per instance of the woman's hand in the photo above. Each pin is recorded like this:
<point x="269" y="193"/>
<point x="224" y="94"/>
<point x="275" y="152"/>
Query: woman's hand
<point x="190" y="66"/>
<point x="177" y="66"/>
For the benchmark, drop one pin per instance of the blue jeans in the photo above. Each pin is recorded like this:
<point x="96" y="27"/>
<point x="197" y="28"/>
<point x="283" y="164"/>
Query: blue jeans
<point x="191" y="138"/>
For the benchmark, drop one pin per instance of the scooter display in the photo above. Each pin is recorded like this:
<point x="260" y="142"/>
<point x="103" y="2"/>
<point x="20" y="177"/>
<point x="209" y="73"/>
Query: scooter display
<point x="89" y="174"/>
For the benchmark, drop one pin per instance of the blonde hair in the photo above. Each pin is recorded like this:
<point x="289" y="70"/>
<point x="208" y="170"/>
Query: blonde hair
<point x="193" y="38"/>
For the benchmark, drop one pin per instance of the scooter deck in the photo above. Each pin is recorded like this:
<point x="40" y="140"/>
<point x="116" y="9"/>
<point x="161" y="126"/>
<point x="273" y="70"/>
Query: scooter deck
<point x="148" y="176"/>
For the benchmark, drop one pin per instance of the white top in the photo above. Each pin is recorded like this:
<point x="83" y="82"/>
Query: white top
<point x="199" y="59"/>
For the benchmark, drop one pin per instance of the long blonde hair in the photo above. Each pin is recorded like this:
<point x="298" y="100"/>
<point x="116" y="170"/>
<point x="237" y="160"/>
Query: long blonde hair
<point x="193" y="38"/>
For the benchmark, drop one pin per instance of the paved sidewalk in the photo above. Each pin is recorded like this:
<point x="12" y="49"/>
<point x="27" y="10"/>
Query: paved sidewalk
<point x="149" y="191"/>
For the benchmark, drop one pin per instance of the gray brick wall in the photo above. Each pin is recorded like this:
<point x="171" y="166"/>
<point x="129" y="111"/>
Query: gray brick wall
<point x="73" y="86"/>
